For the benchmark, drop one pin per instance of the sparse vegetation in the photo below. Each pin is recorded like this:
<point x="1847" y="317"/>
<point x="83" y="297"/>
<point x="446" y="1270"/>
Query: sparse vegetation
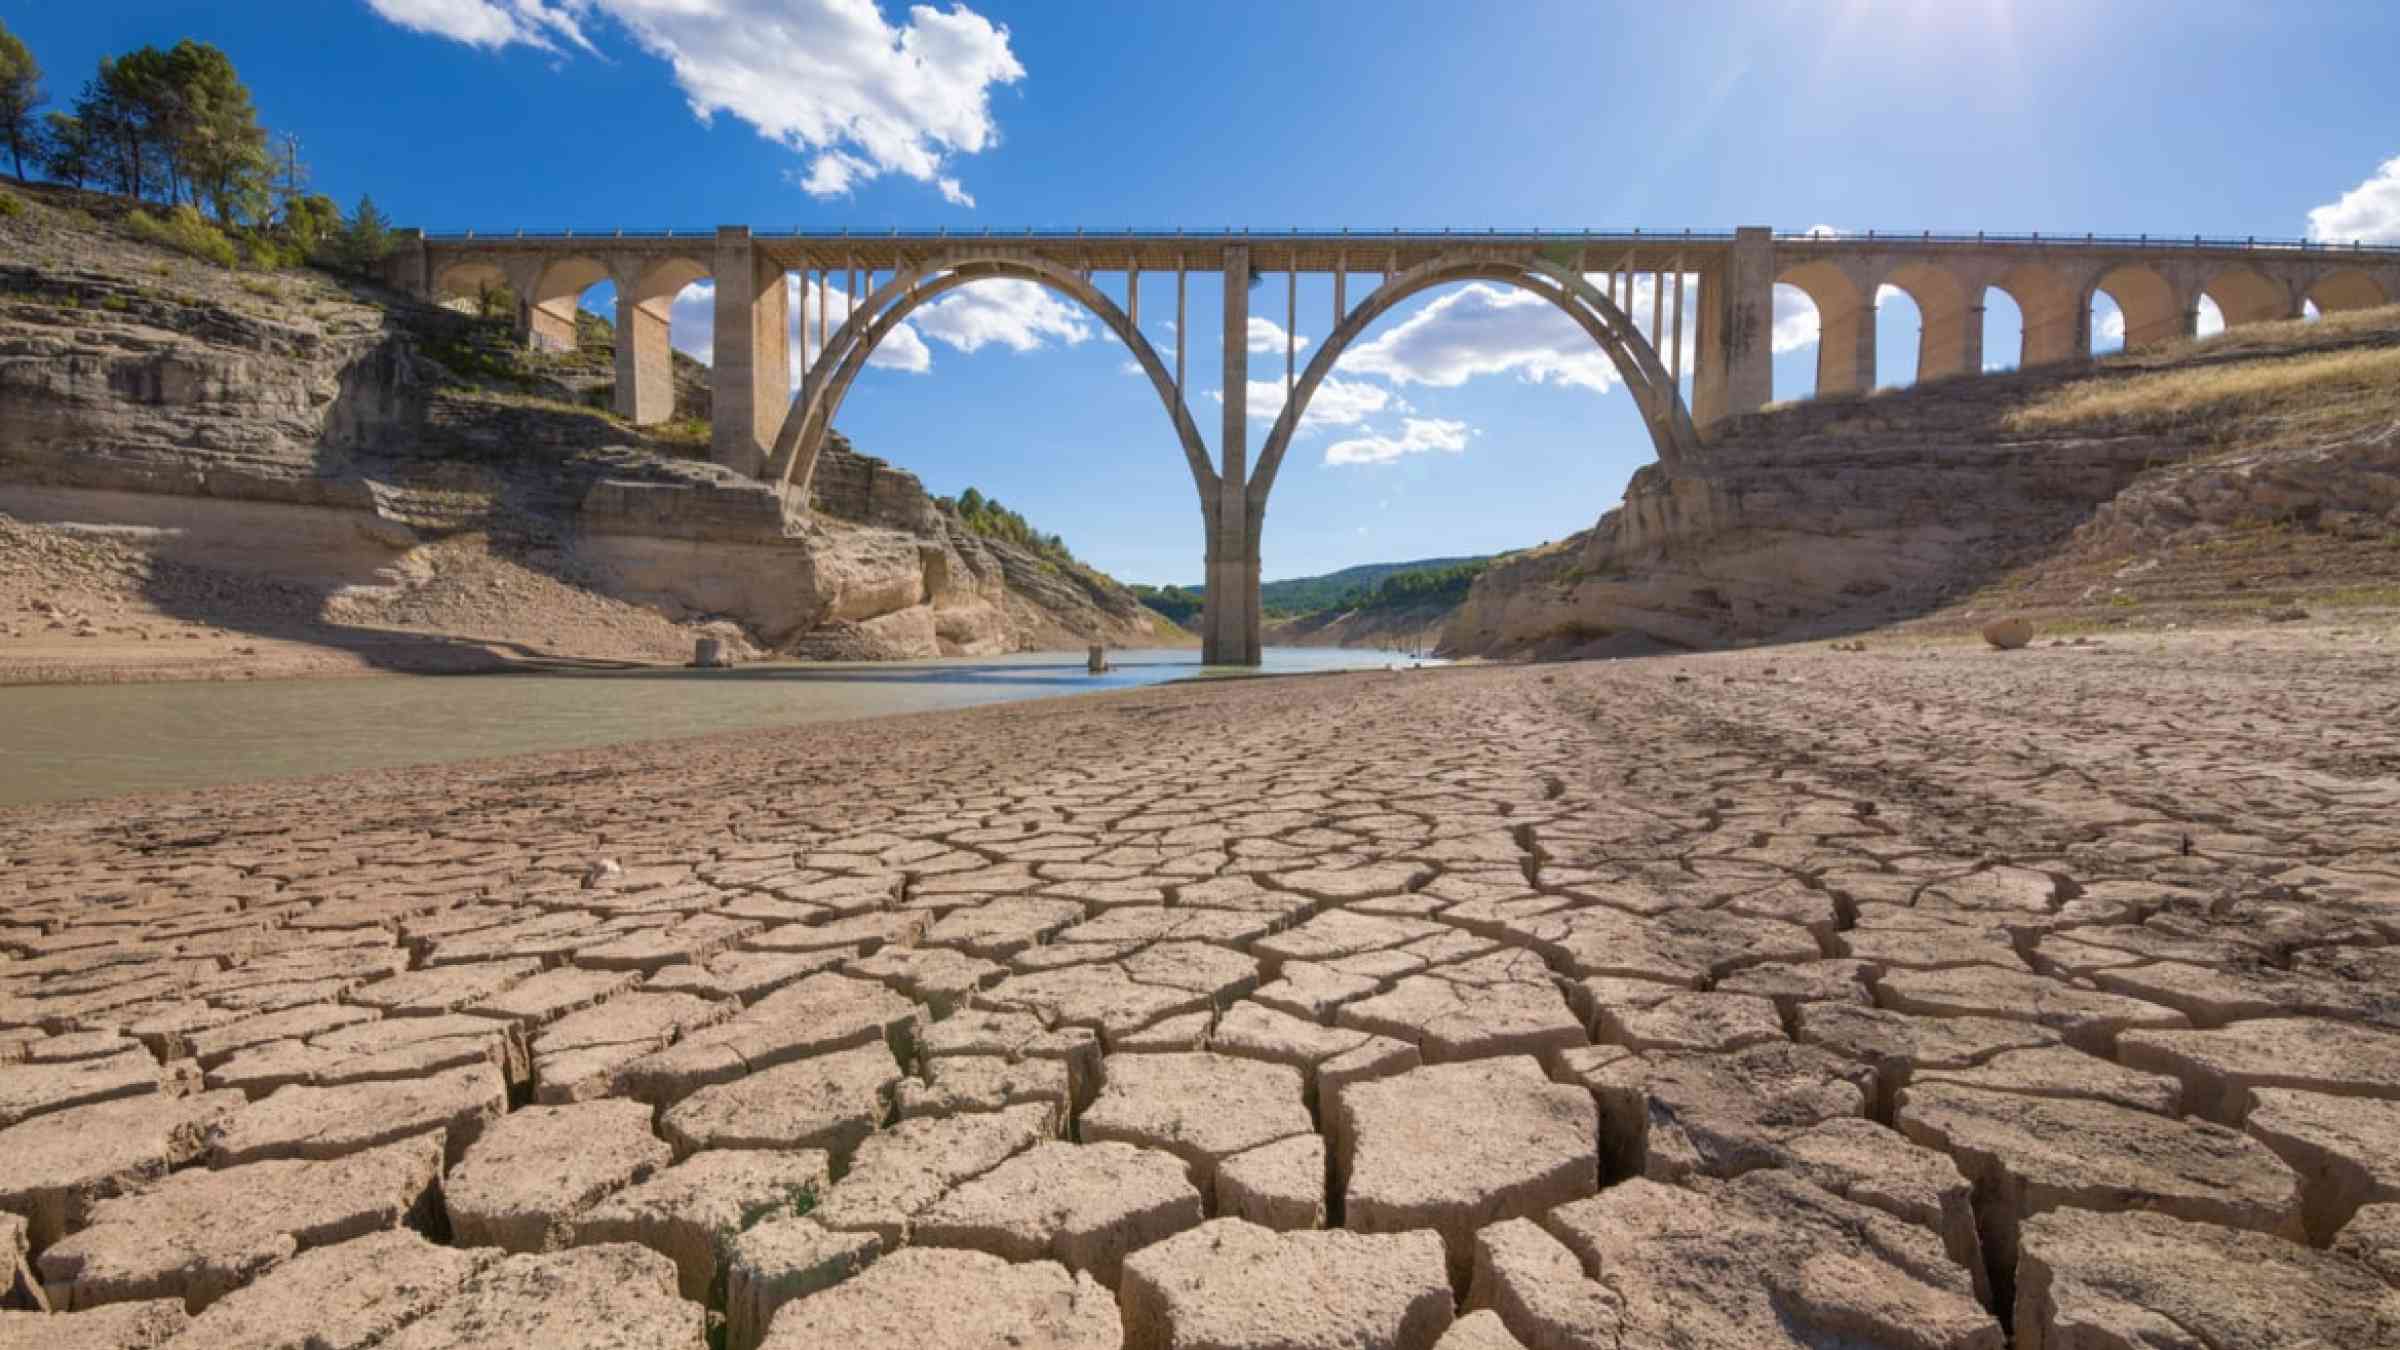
<point x="987" y="517"/>
<point x="184" y="231"/>
<point x="2296" y="394"/>
<point x="1175" y="602"/>
<point x="11" y="205"/>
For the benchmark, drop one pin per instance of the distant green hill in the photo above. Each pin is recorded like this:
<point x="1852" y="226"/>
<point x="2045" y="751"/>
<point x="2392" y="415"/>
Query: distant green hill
<point x="1345" y="589"/>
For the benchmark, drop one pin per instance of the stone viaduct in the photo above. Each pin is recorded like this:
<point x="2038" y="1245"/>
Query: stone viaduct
<point x="1632" y="293"/>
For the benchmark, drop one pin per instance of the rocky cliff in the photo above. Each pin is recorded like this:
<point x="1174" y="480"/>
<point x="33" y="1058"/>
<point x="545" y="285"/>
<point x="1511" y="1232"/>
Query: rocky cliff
<point x="1933" y="504"/>
<point x="349" y="450"/>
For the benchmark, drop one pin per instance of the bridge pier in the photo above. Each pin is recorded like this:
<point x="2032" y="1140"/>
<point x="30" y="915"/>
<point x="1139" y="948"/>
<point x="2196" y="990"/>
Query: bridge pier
<point x="1733" y="368"/>
<point x="1230" y="619"/>
<point x="645" y="356"/>
<point x="752" y="378"/>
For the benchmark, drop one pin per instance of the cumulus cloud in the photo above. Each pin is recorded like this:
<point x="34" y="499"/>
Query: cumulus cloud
<point x="1266" y="335"/>
<point x="832" y="79"/>
<point x="2368" y="213"/>
<point x="1481" y="329"/>
<point x="1337" y="402"/>
<point x="490" y="24"/>
<point x="1795" y="320"/>
<point x="1019" y="315"/>
<point x="1418" y="435"/>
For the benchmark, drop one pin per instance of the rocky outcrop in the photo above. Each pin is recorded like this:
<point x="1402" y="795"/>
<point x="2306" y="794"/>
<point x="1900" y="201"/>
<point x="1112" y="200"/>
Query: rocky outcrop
<point x="326" y="434"/>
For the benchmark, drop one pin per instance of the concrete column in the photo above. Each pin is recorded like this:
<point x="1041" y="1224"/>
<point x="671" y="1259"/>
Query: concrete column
<point x="752" y="378"/>
<point x="2055" y="330"/>
<point x="1230" y="629"/>
<point x="645" y="359"/>
<point x="1846" y="350"/>
<point x="410" y="266"/>
<point x="1733" y="372"/>
<point x="1950" y="342"/>
<point x="549" y="327"/>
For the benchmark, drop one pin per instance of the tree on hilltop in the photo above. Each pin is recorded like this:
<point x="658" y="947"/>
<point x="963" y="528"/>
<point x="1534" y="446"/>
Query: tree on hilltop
<point x="66" y="150"/>
<point x="20" y="93"/>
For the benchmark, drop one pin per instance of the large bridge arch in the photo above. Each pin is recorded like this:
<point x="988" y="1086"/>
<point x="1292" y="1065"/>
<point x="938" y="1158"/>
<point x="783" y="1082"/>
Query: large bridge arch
<point x="549" y="305"/>
<point x="2052" y="313"/>
<point x="2243" y="295"/>
<point x="1949" y="316"/>
<point x="1845" y="324"/>
<point x="2152" y="310"/>
<point x="801" y="439"/>
<point x="1654" y="390"/>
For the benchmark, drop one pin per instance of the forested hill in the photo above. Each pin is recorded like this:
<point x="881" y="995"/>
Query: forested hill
<point x="1308" y="595"/>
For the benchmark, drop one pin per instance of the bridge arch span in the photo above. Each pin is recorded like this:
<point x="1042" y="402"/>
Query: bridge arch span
<point x="801" y="439"/>
<point x="1845" y="323"/>
<point x="2347" y="288"/>
<point x="2152" y="310"/>
<point x="1636" y="361"/>
<point x="550" y="303"/>
<point x="1949" y="315"/>
<point x="2051" y="313"/>
<point x="2244" y="296"/>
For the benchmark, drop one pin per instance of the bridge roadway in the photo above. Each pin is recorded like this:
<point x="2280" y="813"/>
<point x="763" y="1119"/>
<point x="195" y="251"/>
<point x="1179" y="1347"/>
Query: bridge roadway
<point x="1634" y="293"/>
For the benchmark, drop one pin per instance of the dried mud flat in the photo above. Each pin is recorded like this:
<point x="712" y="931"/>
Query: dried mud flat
<point x="1794" y="999"/>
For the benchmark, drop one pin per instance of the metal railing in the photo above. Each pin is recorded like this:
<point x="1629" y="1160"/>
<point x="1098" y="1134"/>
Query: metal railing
<point x="1050" y="234"/>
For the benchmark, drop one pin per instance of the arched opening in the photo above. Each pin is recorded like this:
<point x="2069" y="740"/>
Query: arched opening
<point x="1845" y="327"/>
<point x="558" y="294"/>
<point x="2336" y="292"/>
<point x="2242" y="297"/>
<point x="1792" y="346"/>
<point x="2208" y="319"/>
<point x="1899" y="337"/>
<point x="647" y="388"/>
<point x="1925" y="329"/>
<point x="2133" y="307"/>
<point x="2003" y="330"/>
<point x="477" y="288"/>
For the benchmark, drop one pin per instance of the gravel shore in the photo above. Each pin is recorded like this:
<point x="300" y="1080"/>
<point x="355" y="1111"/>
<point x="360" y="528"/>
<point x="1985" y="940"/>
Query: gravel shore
<point x="1923" y="997"/>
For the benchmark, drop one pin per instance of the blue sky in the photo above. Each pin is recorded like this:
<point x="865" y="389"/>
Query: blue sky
<point x="1473" y="423"/>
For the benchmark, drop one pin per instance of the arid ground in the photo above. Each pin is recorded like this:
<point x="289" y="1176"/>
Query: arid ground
<point x="1914" y="997"/>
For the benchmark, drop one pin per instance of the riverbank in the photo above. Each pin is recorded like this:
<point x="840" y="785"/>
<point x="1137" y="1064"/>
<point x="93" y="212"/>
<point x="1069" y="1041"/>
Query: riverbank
<point x="1821" y="919"/>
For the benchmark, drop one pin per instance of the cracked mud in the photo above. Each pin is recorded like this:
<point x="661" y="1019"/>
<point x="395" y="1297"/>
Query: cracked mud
<point x="1910" y="1000"/>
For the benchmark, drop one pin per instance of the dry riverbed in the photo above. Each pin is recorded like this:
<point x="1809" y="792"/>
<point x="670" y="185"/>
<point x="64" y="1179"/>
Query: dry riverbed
<point x="1926" y="997"/>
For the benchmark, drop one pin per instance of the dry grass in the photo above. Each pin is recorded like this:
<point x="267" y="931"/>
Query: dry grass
<point x="2299" y="395"/>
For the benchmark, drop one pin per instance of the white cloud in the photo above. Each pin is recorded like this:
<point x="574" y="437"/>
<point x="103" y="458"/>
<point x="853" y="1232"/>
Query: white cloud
<point x="1337" y="402"/>
<point x="1795" y="320"/>
<point x="2369" y="213"/>
<point x="1482" y="329"/>
<point x="1417" y="436"/>
<point x="1266" y="335"/>
<point x="832" y="79"/>
<point x="490" y="24"/>
<point x="1019" y="315"/>
<point x="2108" y="326"/>
<point x="2210" y="320"/>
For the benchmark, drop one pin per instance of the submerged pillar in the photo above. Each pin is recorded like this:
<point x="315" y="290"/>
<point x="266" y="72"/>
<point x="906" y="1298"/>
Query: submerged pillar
<point x="751" y="376"/>
<point x="1230" y="623"/>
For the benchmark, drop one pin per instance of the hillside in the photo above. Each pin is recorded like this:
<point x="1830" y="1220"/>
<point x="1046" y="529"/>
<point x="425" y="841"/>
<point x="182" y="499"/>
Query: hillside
<point x="2253" y="476"/>
<point x="210" y="472"/>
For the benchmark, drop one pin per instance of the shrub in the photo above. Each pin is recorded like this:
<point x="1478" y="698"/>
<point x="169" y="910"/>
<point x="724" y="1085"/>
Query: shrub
<point x="262" y="288"/>
<point x="10" y="206"/>
<point x="184" y="231"/>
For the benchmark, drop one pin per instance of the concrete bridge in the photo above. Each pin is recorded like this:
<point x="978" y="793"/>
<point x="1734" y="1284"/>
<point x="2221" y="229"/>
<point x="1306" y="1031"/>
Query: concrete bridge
<point x="1633" y="293"/>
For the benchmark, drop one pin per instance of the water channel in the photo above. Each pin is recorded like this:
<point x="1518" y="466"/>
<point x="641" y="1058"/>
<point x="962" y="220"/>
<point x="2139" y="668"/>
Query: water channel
<point x="65" y="742"/>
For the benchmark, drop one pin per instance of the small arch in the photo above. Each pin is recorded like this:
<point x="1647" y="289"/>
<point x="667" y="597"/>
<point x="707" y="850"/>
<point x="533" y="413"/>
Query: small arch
<point x="645" y="392"/>
<point x="2147" y="304"/>
<point x="2051" y="314"/>
<point x="2003" y="329"/>
<point x="1845" y="326"/>
<point x="792" y="459"/>
<point x="549" y="308"/>
<point x="2347" y="289"/>
<point x="2243" y="297"/>
<point x="1949" y="341"/>
<point x="475" y="286"/>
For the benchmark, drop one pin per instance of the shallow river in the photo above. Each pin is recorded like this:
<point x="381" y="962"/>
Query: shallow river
<point x="69" y="741"/>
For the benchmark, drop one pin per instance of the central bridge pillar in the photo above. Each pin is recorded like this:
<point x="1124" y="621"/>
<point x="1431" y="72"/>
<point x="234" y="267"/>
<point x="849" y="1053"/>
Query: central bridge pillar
<point x="751" y="377"/>
<point x="1230" y="621"/>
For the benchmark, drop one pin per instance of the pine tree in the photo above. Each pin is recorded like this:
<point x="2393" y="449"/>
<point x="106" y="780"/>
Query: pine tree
<point x="20" y="93"/>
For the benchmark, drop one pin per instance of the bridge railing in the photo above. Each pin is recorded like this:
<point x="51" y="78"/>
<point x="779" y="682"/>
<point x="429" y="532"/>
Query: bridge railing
<point x="2035" y="238"/>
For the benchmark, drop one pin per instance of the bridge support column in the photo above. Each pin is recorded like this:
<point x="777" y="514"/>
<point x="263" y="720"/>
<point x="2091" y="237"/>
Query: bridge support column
<point x="645" y="359"/>
<point x="751" y="378"/>
<point x="1230" y="622"/>
<point x="1846" y="350"/>
<point x="1732" y="369"/>
<point x="1951" y="342"/>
